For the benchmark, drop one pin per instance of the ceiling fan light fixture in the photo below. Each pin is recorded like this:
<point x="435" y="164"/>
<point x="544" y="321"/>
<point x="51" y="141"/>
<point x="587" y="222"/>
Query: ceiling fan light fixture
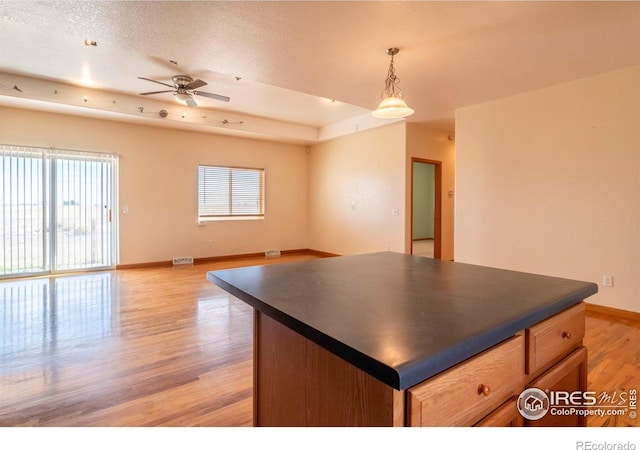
<point x="184" y="88"/>
<point x="182" y="96"/>
<point x="392" y="105"/>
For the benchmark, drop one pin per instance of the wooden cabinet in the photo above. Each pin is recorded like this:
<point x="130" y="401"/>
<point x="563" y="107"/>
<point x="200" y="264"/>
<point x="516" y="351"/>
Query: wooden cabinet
<point x="483" y="391"/>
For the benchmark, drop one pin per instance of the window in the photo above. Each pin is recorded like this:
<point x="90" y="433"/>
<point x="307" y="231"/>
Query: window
<point x="230" y="193"/>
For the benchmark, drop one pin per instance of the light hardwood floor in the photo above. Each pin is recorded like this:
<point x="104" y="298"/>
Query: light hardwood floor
<point x="165" y="347"/>
<point x="614" y="363"/>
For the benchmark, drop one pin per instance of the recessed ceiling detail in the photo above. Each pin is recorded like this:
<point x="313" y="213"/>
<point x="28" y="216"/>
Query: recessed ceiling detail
<point x="281" y="62"/>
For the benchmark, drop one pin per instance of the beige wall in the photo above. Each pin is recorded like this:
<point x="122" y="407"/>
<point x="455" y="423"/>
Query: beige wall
<point x="427" y="142"/>
<point x="549" y="182"/>
<point x="355" y="184"/>
<point x="158" y="184"/>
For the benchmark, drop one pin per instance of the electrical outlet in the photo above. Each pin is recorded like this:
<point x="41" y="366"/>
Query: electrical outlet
<point x="607" y="280"/>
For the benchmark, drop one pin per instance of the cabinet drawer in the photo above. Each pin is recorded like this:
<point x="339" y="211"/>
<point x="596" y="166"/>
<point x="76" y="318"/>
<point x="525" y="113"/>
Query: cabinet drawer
<point x="466" y="393"/>
<point x="506" y="415"/>
<point x="552" y="339"/>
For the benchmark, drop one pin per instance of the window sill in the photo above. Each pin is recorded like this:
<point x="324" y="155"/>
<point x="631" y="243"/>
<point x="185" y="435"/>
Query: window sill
<point x="206" y="220"/>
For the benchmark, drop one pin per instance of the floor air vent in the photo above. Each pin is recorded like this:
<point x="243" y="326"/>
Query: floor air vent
<point x="182" y="260"/>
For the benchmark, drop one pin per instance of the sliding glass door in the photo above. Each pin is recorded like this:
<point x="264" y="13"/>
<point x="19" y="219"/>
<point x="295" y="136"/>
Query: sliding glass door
<point x="82" y="200"/>
<point x="57" y="210"/>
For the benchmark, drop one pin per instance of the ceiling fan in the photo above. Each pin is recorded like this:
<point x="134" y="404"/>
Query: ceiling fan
<point x="184" y="88"/>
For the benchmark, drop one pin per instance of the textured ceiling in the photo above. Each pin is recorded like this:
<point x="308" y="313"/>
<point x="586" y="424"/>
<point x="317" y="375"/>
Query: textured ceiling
<point x="294" y="56"/>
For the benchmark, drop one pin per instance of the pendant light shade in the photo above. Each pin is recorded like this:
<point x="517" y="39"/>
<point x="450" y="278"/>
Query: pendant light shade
<point x="392" y="105"/>
<point x="392" y="108"/>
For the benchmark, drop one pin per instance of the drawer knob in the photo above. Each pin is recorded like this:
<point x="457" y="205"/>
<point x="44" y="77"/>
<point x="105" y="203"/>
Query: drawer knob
<point x="484" y="389"/>
<point x="566" y="335"/>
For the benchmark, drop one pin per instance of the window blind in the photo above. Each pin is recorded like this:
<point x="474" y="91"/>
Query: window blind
<point x="230" y="192"/>
<point x="24" y="214"/>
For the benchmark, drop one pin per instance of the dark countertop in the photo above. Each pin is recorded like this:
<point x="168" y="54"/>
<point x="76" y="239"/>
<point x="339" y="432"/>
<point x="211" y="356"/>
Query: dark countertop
<point x="399" y="317"/>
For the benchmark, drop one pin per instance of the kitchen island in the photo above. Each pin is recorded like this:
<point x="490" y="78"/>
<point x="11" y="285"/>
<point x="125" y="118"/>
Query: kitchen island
<point x="391" y="339"/>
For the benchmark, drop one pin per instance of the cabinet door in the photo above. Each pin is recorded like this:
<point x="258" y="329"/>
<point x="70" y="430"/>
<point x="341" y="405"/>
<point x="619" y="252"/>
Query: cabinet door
<point x="568" y="375"/>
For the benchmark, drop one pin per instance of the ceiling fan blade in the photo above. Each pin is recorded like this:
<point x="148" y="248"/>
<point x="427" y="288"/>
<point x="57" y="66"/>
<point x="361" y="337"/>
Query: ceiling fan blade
<point x="222" y="98"/>
<point x="195" y="84"/>
<point x="191" y="102"/>
<point x="154" y="81"/>
<point x="156" y="92"/>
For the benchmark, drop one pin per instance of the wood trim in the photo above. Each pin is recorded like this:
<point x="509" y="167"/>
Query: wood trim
<point x="437" y="233"/>
<point x="612" y="313"/>
<point x="212" y="259"/>
<point x="399" y="408"/>
<point x="437" y="228"/>
<point x="146" y="265"/>
<point x="321" y="253"/>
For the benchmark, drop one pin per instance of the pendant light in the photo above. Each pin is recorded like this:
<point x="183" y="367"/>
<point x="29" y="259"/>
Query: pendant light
<point x="392" y="105"/>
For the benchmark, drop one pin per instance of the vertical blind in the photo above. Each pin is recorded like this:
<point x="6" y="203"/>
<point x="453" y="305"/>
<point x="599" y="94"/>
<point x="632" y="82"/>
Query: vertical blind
<point x="24" y="213"/>
<point x="56" y="210"/>
<point x="230" y="192"/>
<point x="83" y="198"/>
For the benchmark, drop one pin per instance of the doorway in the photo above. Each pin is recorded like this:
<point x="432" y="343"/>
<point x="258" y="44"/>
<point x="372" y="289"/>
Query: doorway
<point x="426" y="211"/>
